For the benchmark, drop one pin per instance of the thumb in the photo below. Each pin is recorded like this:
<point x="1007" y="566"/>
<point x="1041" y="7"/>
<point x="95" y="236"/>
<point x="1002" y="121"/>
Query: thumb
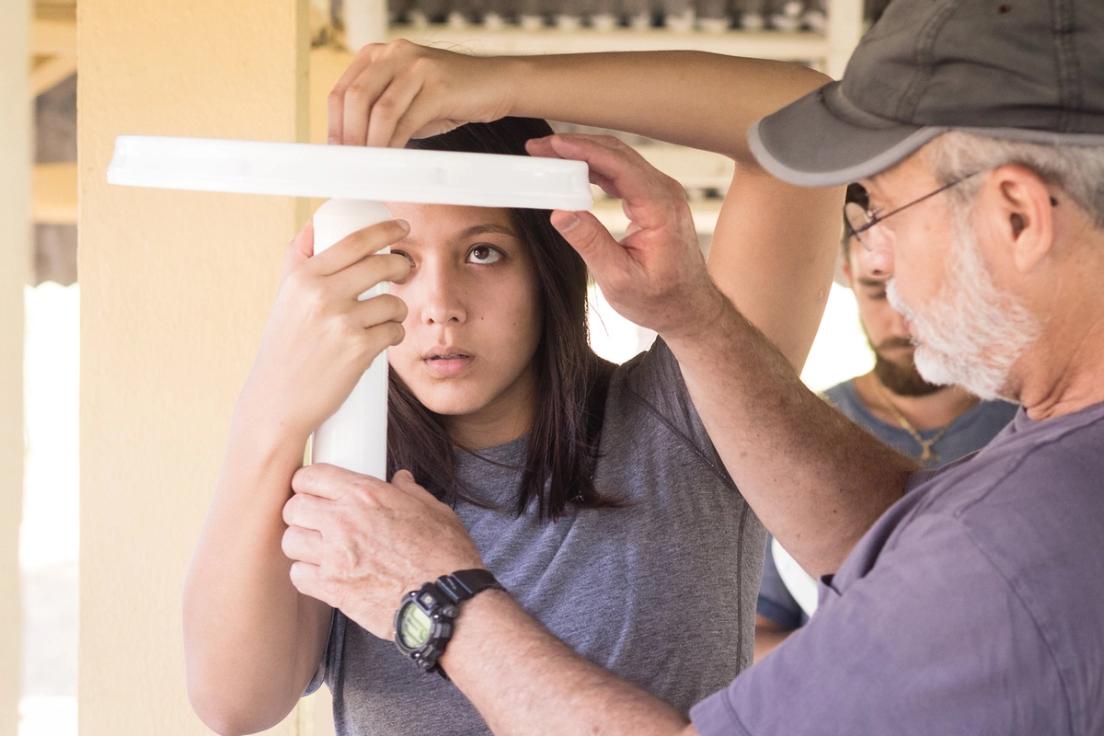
<point x="404" y="481"/>
<point x="301" y="246"/>
<point x="602" y="254"/>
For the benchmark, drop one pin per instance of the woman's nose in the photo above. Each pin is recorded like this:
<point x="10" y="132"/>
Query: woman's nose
<point x="441" y="297"/>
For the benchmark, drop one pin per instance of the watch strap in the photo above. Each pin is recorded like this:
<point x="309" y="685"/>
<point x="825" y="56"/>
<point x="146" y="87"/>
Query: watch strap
<point x="464" y="584"/>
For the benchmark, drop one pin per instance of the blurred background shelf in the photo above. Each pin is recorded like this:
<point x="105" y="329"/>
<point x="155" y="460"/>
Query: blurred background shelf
<point x="785" y="46"/>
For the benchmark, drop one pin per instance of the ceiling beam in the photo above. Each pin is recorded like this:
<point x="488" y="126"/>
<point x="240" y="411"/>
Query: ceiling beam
<point x="54" y="37"/>
<point x="49" y="72"/>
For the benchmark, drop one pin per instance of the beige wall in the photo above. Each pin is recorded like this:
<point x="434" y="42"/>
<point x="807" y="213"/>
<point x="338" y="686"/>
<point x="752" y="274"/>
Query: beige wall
<point x="15" y="182"/>
<point x="175" y="287"/>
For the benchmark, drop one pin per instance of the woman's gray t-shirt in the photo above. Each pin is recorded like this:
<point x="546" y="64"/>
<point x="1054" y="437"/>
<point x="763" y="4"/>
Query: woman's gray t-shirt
<point x="660" y="591"/>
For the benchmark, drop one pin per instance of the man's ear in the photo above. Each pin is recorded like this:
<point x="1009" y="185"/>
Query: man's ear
<point x="1020" y="204"/>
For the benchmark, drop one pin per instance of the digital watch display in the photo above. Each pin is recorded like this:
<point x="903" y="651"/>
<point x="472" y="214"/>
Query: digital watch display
<point x="424" y="621"/>
<point x="416" y="627"/>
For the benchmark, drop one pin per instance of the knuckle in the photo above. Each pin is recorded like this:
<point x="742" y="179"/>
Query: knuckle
<point x="300" y="478"/>
<point x="432" y="84"/>
<point x="586" y="238"/>
<point x="338" y="533"/>
<point x="352" y="353"/>
<point x="399" y="267"/>
<point x="397" y="333"/>
<point x="357" y="90"/>
<point x="346" y="559"/>
<point x="384" y="306"/>
<point x="350" y="325"/>
<point x="296" y="279"/>
<point x="313" y="298"/>
<point x="363" y="492"/>
<point x="385" y="106"/>
<point x="675" y="187"/>
<point x="399" y="310"/>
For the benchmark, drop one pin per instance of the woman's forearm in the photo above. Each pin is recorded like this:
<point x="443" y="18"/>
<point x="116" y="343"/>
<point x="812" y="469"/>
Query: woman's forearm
<point x="691" y="98"/>
<point x="251" y="639"/>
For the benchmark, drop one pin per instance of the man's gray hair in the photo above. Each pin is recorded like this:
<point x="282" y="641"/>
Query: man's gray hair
<point x="1076" y="170"/>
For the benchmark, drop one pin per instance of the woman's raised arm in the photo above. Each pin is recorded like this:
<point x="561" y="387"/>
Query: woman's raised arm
<point x="774" y="245"/>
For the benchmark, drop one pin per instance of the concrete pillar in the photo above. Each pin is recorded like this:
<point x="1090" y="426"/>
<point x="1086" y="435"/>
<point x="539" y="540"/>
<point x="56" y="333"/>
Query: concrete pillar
<point x="175" y="287"/>
<point x="15" y="233"/>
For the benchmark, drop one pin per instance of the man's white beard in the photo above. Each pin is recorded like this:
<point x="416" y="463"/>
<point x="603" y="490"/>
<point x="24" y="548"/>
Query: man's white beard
<point x="971" y="334"/>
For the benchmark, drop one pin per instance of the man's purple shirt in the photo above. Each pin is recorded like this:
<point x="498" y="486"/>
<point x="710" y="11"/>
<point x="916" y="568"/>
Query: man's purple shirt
<point x="975" y="605"/>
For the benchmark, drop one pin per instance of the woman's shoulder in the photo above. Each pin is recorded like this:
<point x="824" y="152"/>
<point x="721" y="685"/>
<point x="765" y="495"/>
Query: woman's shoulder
<point x="650" y="410"/>
<point x="652" y="372"/>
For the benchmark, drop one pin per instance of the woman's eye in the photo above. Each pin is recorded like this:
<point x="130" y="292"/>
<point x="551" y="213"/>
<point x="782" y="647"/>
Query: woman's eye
<point x="404" y="254"/>
<point x="484" y="255"/>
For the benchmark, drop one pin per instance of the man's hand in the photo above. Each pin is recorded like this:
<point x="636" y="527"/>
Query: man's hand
<point x="359" y="543"/>
<point x="656" y="275"/>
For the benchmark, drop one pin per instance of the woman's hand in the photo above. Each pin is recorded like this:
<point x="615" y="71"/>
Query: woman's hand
<point x="319" y="339"/>
<point x="359" y="543"/>
<point x="396" y="91"/>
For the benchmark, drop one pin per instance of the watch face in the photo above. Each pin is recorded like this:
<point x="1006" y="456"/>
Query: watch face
<point x="414" y="626"/>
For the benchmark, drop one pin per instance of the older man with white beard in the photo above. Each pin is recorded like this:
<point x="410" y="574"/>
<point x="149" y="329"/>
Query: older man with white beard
<point x="974" y="604"/>
<point x="934" y="424"/>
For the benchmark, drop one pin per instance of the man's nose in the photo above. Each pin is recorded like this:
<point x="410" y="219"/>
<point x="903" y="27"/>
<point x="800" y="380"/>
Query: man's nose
<point x="876" y="254"/>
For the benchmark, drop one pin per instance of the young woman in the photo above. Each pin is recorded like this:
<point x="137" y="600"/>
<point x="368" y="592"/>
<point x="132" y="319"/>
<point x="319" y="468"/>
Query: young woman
<point x="593" y="492"/>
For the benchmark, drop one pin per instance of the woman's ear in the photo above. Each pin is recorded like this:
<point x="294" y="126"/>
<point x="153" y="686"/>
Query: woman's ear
<point x="1022" y="208"/>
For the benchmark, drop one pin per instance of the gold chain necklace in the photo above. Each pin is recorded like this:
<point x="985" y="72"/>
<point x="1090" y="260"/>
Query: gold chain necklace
<point x="926" y="454"/>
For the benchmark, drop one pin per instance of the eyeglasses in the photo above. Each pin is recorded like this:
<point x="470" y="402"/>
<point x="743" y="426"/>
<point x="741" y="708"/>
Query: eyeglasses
<point x="859" y="220"/>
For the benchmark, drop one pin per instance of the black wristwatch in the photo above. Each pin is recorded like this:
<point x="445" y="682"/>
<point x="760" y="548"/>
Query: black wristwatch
<point x="423" y="623"/>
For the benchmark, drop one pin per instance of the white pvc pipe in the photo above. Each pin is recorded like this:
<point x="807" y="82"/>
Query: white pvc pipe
<point x="355" y="436"/>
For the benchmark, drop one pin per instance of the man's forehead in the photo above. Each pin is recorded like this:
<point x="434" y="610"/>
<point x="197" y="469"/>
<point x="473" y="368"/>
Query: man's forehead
<point x="886" y="184"/>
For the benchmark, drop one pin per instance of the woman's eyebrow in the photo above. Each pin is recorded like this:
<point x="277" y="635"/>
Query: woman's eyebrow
<point x="489" y="227"/>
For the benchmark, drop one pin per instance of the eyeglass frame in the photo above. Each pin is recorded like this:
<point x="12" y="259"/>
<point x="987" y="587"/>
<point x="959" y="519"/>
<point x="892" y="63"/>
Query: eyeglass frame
<point x="872" y="219"/>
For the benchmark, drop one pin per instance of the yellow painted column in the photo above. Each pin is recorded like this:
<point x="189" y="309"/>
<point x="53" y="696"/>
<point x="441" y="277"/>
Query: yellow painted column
<point x="175" y="287"/>
<point x="15" y="224"/>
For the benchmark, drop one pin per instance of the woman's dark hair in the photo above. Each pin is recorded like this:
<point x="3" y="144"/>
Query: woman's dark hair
<point x="571" y="381"/>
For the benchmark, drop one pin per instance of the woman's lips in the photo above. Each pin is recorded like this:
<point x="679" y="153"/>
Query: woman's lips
<point x="448" y="367"/>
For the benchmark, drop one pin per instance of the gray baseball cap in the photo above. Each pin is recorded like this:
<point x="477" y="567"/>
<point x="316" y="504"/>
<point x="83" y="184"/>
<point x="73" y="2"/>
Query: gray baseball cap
<point x="1024" y="69"/>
